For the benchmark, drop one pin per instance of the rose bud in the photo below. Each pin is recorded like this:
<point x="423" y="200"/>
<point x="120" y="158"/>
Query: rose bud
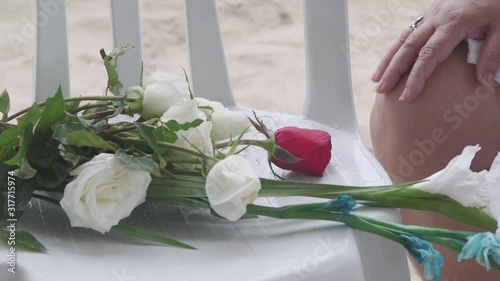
<point x="313" y="148"/>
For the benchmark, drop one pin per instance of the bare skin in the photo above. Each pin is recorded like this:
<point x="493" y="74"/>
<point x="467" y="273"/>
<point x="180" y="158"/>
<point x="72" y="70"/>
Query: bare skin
<point x="413" y="140"/>
<point x="445" y="24"/>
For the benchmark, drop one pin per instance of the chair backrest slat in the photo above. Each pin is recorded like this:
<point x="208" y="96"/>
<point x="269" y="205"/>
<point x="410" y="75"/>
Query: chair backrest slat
<point x="51" y="59"/>
<point x="210" y="78"/>
<point x="329" y="97"/>
<point x="126" y="25"/>
<point x="329" y="91"/>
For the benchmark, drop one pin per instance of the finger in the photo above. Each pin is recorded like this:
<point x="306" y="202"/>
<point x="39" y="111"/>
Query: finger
<point x="435" y="51"/>
<point x="405" y="57"/>
<point x="388" y="57"/>
<point x="488" y="67"/>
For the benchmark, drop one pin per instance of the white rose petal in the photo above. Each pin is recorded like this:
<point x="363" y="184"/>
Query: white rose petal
<point x="158" y="98"/>
<point x="194" y="138"/>
<point x="183" y="112"/>
<point x="493" y="182"/>
<point x="458" y="182"/>
<point x="231" y="185"/>
<point x="228" y="124"/>
<point x="215" y="105"/>
<point x="175" y="78"/>
<point x="103" y="192"/>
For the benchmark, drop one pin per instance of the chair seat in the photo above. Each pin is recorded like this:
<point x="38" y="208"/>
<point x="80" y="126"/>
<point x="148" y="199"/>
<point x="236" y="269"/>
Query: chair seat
<point x="251" y="249"/>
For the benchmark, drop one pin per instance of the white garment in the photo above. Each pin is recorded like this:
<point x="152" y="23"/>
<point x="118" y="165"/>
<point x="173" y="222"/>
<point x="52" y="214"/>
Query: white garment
<point x="475" y="47"/>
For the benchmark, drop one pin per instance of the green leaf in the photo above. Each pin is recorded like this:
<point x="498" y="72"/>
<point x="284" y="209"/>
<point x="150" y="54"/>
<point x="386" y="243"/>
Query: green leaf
<point x="147" y="133"/>
<point x="145" y="163"/>
<point x="61" y="130"/>
<point x="21" y="158"/>
<point x="43" y="154"/>
<point x="87" y="138"/>
<point x="24" y="189"/>
<point x="71" y="105"/>
<point x="175" y="126"/>
<point x="151" y="236"/>
<point x="4" y="105"/>
<point x="53" y="112"/>
<point x="114" y="84"/>
<point x="24" y="240"/>
<point x="284" y="155"/>
<point x="70" y="154"/>
<point x="163" y="134"/>
<point x="53" y="177"/>
<point x="30" y="117"/>
<point x="8" y="140"/>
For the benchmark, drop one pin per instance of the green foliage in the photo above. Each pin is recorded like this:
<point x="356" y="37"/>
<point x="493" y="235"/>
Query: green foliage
<point x="163" y="134"/>
<point x="84" y="138"/>
<point x="21" y="158"/>
<point x="175" y="126"/>
<point x="114" y="84"/>
<point x="23" y="188"/>
<point x="4" y="105"/>
<point x="61" y="130"/>
<point x="24" y="240"/>
<point x="145" y="163"/>
<point x="8" y="140"/>
<point x="30" y="117"/>
<point x="52" y="113"/>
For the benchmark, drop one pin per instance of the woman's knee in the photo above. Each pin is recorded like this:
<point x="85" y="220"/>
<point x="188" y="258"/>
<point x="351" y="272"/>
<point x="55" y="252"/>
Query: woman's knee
<point x="414" y="139"/>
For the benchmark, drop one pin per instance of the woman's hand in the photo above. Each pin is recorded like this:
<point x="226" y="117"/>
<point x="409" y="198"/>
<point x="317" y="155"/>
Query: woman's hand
<point x="443" y="27"/>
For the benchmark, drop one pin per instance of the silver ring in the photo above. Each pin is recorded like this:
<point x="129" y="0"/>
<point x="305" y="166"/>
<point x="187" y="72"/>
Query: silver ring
<point x="415" y="23"/>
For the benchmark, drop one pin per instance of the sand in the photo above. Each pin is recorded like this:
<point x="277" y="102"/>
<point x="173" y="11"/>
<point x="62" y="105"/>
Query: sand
<point x="263" y="39"/>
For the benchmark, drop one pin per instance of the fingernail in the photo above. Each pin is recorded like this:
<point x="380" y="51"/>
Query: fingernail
<point x="497" y="77"/>
<point x="488" y="78"/>
<point x="375" y="76"/>
<point x="380" y="86"/>
<point x="404" y="95"/>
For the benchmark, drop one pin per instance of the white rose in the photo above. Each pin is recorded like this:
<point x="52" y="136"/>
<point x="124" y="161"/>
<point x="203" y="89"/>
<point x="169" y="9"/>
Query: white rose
<point x="458" y="182"/>
<point x="103" y="192"/>
<point x="183" y="112"/>
<point x="228" y="124"/>
<point x="197" y="138"/>
<point x="176" y="79"/>
<point x="158" y="98"/>
<point x="231" y="185"/>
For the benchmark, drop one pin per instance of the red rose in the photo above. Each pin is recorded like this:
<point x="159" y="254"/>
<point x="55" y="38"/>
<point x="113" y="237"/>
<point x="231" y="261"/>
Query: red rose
<point x="313" y="147"/>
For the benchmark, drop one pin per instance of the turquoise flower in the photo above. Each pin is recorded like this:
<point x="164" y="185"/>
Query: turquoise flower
<point x="343" y="203"/>
<point x="482" y="247"/>
<point x="425" y="254"/>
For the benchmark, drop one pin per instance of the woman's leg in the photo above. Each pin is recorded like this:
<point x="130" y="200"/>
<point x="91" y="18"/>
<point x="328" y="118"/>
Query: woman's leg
<point x="413" y="140"/>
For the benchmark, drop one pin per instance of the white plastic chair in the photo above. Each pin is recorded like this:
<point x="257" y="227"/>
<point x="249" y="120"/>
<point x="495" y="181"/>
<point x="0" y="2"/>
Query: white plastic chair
<point x="264" y="249"/>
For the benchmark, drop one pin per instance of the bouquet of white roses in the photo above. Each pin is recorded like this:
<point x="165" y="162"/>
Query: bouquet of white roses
<point x="99" y="157"/>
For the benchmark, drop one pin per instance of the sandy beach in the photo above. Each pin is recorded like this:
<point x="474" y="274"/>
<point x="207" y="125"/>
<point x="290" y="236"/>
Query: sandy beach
<point x="264" y="44"/>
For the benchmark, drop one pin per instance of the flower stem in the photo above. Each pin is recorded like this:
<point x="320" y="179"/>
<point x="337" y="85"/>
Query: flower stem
<point x="90" y="106"/>
<point x="350" y="220"/>
<point x="391" y="196"/>
<point x="423" y="231"/>
<point x="447" y="208"/>
<point x="81" y="98"/>
<point x="99" y="114"/>
<point x="160" y="144"/>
